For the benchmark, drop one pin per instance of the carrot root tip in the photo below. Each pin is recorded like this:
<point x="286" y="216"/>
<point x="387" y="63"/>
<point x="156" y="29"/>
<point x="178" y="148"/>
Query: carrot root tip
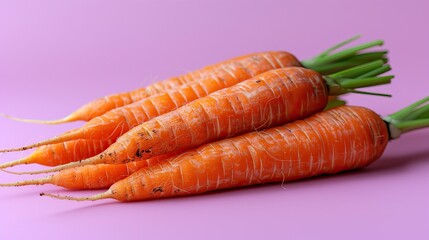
<point x="15" y="173"/>
<point x="107" y="194"/>
<point x="13" y="163"/>
<point x="50" y="122"/>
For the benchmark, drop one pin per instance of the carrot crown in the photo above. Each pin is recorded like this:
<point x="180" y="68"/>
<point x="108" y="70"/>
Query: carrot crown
<point x="412" y="117"/>
<point x="364" y="75"/>
<point x="331" y="61"/>
<point x="349" y="69"/>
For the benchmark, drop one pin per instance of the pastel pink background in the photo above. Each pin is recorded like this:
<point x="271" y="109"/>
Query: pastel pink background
<point x="57" y="55"/>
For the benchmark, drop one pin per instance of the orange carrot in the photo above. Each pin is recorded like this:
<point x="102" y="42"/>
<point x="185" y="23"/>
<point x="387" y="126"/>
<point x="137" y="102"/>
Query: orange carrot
<point x="236" y="69"/>
<point x="270" y="99"/>
<point x="239" y="68"/>
<point x="339" y="139"/>
<point x="116" y="122"/>
<point x="76" y="150"/>
<point x="62" y="153"/>
<point x="92" y="176"/>
<point x="329" y="142"/>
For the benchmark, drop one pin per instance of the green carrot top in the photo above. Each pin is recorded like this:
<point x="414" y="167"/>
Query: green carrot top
<point x="347" y="70"/>
<point x="412" y="117"/>
<point x="330" y="61"/>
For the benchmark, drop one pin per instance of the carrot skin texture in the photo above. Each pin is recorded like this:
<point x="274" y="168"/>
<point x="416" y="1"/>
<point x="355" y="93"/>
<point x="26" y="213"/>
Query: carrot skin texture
<point x="116" y="122"/>
<point x="270" y="99"/>
<point x="62" y="153"/>
<point x="253" y="64"/>
<point x="71" y="151"/>
<point x="99" y="176"/>
<point x="91" y="176"/>
<point x="339" y="139"/>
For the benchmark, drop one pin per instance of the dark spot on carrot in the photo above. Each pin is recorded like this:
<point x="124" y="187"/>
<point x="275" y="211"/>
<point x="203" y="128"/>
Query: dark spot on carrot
<point x="142" y="135"/>
<point x="258" y="81"/>
<point x="149" y="150"/>
<point x="157" y="189"/>
<point x="110" y="154"/>
<point x="154" y="131"/>
<point x="42" y="194"/>
<point x="177" y="190"/>
<point x="138" y="153"/>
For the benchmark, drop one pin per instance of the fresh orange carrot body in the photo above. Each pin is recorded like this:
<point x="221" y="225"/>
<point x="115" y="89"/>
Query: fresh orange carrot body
<point x="120" y="120"/>
<point x="270" y="99"/>
<point x="339" y="139"/>
<point x="241" y="67"/>
<point x="114" y="123"/>
<point x="91" y="176"/>
<point x="62" y="153"/>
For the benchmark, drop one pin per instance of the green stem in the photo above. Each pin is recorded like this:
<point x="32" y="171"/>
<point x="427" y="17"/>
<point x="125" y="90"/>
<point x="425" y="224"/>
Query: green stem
<point x="335" y="47"/>
<point x="411" y="125"/>
<point x="328" y="62"/>
<point x="376" y="72"/>
<point x="349" y="69"/>
<point x="358" y="70"/>
<point x="422" y="112"/>
<point x="347" y="63"/>
<point x="403" y="113"/>
<point x="365" y="82"/>
<point x="370" y="93"/>
<point x="367" y="57"/>
<point x="335" y="103"/>
<point x="349" y="52"/>
<point x="348" y="80"/>
<point x="410" y="118"/>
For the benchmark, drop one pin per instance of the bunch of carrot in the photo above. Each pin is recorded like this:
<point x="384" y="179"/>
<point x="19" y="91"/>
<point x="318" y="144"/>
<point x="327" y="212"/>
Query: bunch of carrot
<point x="223" y="126"/>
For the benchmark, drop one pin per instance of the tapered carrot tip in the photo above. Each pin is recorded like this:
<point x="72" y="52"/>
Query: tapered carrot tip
<point x="40" y="181"/>
<point x="14" y="163"/>
<point x="105" y="195"/>
<point x="38" y="144"/>
<point x="67" y="119"/>
<point x="88" y="161"/>
<point x="15" y="173"/>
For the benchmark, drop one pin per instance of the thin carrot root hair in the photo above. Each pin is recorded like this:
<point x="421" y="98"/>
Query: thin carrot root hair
<point x="105" y="195"/>
<point x="67" y="119"/>
<point x="53" y="140"/>
<point x="13" y="172"/>
<point x="40" y="181"/>
<point x="58" y="168"/>
<point x="13" y="163"/>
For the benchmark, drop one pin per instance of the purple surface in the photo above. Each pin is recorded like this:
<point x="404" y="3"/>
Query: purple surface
<point x="57" y="55"/>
